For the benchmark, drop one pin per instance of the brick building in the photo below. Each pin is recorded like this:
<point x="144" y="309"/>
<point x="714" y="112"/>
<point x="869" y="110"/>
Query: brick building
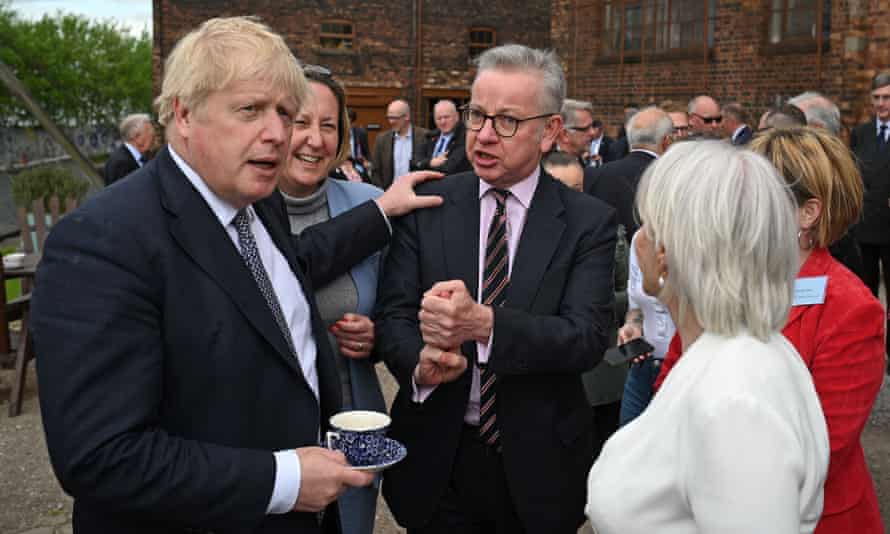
<point x="380" y="49"/>
<point x="751" y="51"/>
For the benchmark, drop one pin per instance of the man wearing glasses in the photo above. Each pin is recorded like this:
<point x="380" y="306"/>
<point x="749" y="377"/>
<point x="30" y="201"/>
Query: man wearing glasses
<point x="489" y="310"/>
<point x="578" y="130"/>
<point x="395" y="148"/>
<point x="704" y="116"/>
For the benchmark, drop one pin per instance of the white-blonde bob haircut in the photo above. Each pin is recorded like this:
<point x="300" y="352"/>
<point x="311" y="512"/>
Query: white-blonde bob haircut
<point x="222" y="51"/>
<point x="728" y="226"/>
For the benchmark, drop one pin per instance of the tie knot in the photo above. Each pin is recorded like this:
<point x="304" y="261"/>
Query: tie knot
<point x="500" y="196"/>
<point x="241" y="220"/>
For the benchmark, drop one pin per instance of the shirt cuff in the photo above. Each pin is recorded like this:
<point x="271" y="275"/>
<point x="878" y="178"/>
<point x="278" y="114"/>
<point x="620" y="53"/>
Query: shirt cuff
<point x="288" y="476"/>
<point x="385" y="218"/>
<point x="483" y="351"/>
<point x="420" y="393"/>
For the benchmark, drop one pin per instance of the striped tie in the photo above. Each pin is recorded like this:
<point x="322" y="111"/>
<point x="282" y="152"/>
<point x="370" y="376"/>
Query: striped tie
<point x="494" y="288"/>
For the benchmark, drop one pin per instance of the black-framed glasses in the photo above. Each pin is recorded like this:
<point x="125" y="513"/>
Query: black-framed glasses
<point x="317" y="69"/>
<point x="709" y="120"/>
<point x="504" y="125"/>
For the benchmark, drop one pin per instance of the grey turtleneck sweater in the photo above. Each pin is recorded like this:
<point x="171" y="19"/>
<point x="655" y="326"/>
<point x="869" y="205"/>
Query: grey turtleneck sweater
<point x="339" y="296"/>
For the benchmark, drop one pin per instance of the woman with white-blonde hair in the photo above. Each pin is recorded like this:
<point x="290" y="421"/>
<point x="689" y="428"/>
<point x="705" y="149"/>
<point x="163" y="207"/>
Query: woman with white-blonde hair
<point x="735" y="441"/>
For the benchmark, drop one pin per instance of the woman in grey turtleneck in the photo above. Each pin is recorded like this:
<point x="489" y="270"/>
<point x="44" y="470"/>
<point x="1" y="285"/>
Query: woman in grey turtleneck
<point x="320" y="141"/>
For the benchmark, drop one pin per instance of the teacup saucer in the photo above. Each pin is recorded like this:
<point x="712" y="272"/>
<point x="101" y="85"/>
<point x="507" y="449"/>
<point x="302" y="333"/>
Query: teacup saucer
<point x="390" y="454"/>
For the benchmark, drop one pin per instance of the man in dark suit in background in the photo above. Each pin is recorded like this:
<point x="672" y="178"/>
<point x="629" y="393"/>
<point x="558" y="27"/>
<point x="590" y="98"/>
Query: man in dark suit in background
<point x="601" y="151"/>
<point x="184" y="373"/>
<point x="396" y="148"/>
<point x="577" y="129"/>
<point x="735" y="124"/>
<point x="446" y="148"/>
<point x="615" y="183"/>
<point x="871" y="144"/>
<point x="358" y="140"/>
<point x="489" y="310"/>
<point x="137" y="136"/>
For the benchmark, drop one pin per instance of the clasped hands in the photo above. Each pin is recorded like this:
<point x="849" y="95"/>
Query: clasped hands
<point x="448" y="317"/>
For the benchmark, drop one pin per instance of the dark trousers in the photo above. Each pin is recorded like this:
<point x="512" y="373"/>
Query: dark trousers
<point x="875" y="257"/>
<point x="477" y="500"/>
<point x="605" y="423"/>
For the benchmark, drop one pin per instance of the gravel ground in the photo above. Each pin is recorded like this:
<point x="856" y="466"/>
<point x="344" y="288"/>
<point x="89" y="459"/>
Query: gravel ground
<point x="32" y="502"/>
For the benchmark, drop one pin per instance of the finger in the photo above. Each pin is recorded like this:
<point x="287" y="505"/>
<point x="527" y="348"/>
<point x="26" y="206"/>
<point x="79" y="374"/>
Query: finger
<point x="421" y="176"/>
<point x="357" y="479"/>
<point x="333" y="455"/>
<point x="450" y="286"/>
<point x="449" y="360"/>
<point x="354" y="354"/>
<point x="356" y="327"/>
<point x="426" y="201"/>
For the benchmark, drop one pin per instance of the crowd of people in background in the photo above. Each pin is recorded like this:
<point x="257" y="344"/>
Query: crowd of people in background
<point x="201" y="319"/>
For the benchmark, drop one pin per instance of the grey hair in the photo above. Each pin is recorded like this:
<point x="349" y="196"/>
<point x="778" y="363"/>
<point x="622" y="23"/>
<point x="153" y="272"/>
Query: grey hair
<point x="695" y="100"/>
<point x="570" y="106"/>
<point x="523" y="58"/>
<point x="650" y="133"/>
<point x="728" y="226"/>
<point x="820" y="110"/>
<point x="130" y="126"/>
<point x="881" y="79"/>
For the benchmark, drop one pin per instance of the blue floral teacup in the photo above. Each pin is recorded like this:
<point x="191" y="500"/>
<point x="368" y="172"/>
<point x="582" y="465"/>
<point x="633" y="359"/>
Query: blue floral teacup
<point x="359" y="435"/>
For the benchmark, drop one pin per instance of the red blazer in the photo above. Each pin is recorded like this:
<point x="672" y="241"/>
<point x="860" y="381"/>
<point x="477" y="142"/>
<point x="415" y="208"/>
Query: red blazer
<point x="842" y="343"/>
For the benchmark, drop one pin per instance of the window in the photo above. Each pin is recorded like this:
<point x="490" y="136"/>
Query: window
<point x="633" y="28"/>
<point x="481" y="39"/>
<point x="796" y="21"/>
<point x="337" y="34"/>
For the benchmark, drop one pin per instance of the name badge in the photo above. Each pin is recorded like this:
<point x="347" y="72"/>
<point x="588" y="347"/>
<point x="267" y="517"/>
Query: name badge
<point x="809" y="290"/>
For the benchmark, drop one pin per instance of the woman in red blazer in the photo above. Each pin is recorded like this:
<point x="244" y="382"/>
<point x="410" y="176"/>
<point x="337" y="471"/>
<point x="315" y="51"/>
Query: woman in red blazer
<point x="836" y="324"/>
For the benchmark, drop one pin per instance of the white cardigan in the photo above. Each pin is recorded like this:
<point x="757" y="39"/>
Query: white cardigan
<point x="734" y="442"/>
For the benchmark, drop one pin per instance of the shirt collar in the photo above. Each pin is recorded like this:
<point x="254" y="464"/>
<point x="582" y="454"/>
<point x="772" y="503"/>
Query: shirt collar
<point x="406" y="136"/>
<point x="224" y="211"/>
<point x="523" y="190"/>
<point x="134" y="152"/>
<point x="879" y="124"/>
<point x="653" y="154"/>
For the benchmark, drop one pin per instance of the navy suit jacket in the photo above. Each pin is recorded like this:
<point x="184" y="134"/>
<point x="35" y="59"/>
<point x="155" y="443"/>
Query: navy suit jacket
<point x="551" y="329"/>
<point x="457" y="160"/>
<point x="120" y="163"/>
<point x="165" y="383"/>
<point x="874" y="164"/>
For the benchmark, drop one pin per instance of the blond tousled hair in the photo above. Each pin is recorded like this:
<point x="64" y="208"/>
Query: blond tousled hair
<point x="816" y="164"/>
<point x="221" y="51"/>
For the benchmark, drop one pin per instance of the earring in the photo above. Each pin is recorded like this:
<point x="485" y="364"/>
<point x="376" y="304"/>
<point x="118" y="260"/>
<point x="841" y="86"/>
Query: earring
<point x="660" y="282"/>
<point x="809" y="244"/>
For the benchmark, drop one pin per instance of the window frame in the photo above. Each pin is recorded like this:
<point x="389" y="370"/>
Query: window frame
<point x="345" y="37"/>
<point x="651" y="31"/>
<point x="473" y="48"/>
<point x="796" y="44"/>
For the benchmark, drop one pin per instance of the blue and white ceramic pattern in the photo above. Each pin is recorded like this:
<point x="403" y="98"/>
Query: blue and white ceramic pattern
<point x="391" y="452"/>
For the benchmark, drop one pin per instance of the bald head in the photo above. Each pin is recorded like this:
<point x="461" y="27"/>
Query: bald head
<point x="704" y="115"/>
<point x="398" y="113"/>
<point x="649" y="129"/>
<point x="445" y="115"/>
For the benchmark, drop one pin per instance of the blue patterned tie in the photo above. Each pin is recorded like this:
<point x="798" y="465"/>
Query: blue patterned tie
<point x="440" y="146"/>
<point x="494" y="291"/>
<point x="252" y="258"/>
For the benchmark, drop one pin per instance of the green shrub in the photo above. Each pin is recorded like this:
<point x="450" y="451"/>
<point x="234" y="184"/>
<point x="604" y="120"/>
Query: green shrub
<point x="46" y="181"/>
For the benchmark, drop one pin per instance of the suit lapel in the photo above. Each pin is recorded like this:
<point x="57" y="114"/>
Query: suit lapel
<point x="461" y="233"/>
<point x="196" y="229"/>
<point x="541" y="235"/>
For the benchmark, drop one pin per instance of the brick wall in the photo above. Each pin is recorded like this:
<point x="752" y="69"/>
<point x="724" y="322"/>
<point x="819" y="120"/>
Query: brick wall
<point x="385" y="54"/>
<point x="738" y="67"/>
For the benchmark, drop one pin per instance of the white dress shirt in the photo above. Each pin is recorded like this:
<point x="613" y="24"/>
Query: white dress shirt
<point x="878" y="125"/>
<point x="401" y="153"/>
<point x="658" y="327"/>
<point x="135" y="153"/>
<point x="735" y="442"/>
<point x="295" y="308"/>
